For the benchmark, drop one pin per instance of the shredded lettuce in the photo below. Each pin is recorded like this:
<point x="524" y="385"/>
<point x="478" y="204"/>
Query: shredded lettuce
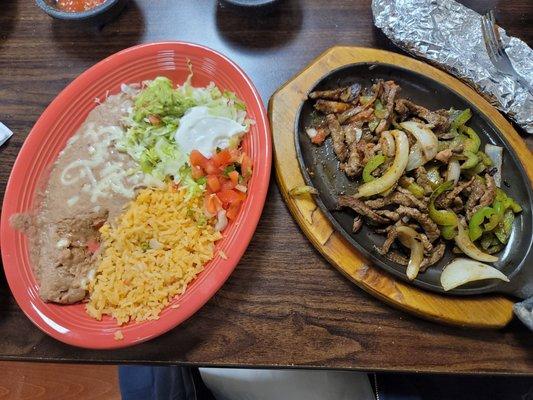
<point x="155" y="117"/>
<point x="195" y="187"/>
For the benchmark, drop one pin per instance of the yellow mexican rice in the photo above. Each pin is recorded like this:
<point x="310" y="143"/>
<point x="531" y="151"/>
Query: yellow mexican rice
<point x="159" y="245"/>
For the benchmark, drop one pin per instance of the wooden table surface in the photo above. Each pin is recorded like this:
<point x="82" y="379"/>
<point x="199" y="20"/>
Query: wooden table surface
<point x="284" y="305"/>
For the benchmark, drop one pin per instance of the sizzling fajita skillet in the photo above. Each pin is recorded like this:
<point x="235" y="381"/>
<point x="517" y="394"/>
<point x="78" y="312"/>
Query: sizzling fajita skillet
<point x="320" y="169"/>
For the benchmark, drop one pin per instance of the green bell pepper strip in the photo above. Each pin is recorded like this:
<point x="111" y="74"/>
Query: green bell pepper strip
<point x="513" y="205"/>
<point x="473" y="142"/>
<point x="478" y="169"/>
<point x="495" y="248"/>
<point x="458" y="140"/>
<point x="485" y="159"/>
<point x="474" y="226"/>
<point x="434" y="177"/>
<point x="503" y="231"/>
<point x="501" y="204"/>
<point x="442" y="217"/>
<point x="497" y="215"/>
<point x="448" y="232"/>
<point x="461" y="119"/>
<point x="471" y="161"/>
<point x="500" y="194"/>
<point x="416" y="190"/>
<point x="371" y="166"/>
<point x="486" y="240"/>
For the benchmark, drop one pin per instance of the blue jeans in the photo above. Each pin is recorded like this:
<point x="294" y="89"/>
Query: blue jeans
<point x="156" y="383"/>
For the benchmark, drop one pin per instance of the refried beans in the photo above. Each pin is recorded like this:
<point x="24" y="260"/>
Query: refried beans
<point x="89" y="184"/>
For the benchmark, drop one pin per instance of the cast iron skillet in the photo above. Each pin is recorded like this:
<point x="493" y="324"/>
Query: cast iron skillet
<point x="320" y="168"/>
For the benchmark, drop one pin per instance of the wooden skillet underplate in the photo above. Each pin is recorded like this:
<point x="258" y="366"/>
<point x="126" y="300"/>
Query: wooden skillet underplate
<point x="487" y="311"/>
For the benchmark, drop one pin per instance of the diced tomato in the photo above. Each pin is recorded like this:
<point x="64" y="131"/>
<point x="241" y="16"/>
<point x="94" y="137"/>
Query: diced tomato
<point x="212" y="204"/>
<point x="196" y="172"/>
<point x="93" y="246"/>
<point x="320" y="136"/>
<point x="235" y="155"/>
<point x="210" y="168"/>
<point x="213" y="183"/>
<point x="197" y="159"/>
<point x="222" y="158"/>
<point x="241" y="195"/>
<point x="227" y="184"/>
<point x="233" y="211"/>
<point x="231" y="196"/>
<point x="246" y="165"/>
<point x="234" y="176"/>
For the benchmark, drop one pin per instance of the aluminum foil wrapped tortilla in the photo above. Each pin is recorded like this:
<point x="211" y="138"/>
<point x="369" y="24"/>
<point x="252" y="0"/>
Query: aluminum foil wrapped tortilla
<point x="524" y="311"/>
<point x="448" y="35"/>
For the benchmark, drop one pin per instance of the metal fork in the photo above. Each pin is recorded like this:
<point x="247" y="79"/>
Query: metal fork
<point x="496" y="50"/>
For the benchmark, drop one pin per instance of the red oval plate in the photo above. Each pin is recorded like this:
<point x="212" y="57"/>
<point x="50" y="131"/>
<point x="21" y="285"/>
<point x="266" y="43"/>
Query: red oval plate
<point x="71" y="324"/>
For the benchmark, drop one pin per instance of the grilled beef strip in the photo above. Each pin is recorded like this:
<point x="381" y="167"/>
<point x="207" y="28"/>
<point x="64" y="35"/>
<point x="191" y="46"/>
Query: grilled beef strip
<point x="445" y="200"/>
<point x="351" y="131"/>
<point x="350" y="113"/>
<point x="422" y="180"/>
<point x="365" y="111"/>
<point x="367" y="149"/>
<point x="384" y="147"/>
<point x="331" y="107"/>
<point x="347" y="94"/>
<point x="390" y="91"/>
<point x="386" y="229"/>
<point x="435" y="257"/>
<point x="488" y="195"/>
<point x="417" y="203"/>
<point x="458" y="205"/>
<point x="391" y="215"/>
<point x="405" y="107"/>
<point x="337" y="135"/>
<point x="397" y="258"/>
<point x="352" y="167"/>
<point x="379" y="202"/>
<point x="360" y="208"/>
<point x="477" y="188"/>
<point x="357" y="224"/>
<point x="392" y="234"/>
<point x="398" y="197"/>
<point x="351" y="93"/>
<point x="430" y="227"/>
<point x="428" y="247"/>
<point x="365" y="115"/>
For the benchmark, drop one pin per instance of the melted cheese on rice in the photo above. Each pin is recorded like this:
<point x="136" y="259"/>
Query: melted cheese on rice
<point x="158" y="246"/>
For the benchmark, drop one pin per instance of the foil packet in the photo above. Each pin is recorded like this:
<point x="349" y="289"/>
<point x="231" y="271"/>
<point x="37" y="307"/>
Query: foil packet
<point x="448" y="35"/>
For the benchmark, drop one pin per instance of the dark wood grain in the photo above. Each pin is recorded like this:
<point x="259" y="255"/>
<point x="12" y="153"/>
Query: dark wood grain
<point x="284" y="305"/>
<point x="44" y="381"/>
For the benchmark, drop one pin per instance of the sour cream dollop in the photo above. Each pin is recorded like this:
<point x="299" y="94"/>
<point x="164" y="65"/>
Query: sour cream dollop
<point x="204" y="132"/>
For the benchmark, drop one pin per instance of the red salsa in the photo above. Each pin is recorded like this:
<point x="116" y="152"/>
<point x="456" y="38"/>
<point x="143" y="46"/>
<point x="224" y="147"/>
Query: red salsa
<point x="77" y="5"/>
